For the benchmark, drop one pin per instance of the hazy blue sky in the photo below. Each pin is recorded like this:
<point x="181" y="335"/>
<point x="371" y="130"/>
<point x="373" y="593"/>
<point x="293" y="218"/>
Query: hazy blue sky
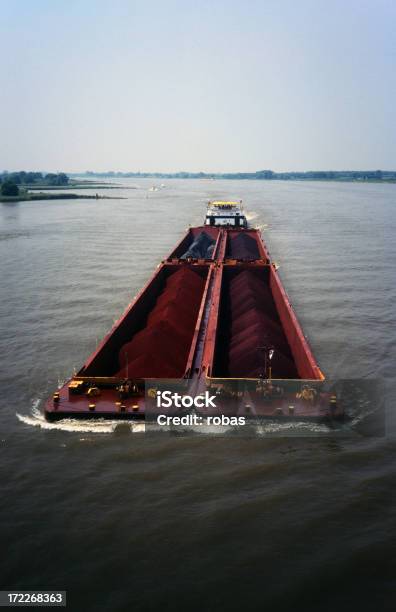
<point x="204" y="85"/>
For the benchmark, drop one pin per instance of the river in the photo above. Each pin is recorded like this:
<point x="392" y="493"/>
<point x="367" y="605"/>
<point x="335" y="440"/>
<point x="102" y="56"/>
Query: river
<point x="127" y="521"/>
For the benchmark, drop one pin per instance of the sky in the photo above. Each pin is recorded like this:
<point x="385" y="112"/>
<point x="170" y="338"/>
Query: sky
<point x="217" y="85"/>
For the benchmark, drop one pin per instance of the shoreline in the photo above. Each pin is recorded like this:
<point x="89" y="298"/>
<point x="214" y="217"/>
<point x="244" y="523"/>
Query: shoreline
<point x="27" y="197"/>
<point x="243" y="177"/>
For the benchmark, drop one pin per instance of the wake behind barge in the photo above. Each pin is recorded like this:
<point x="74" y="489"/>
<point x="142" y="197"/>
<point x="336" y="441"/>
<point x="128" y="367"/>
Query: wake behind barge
<point x="216" y="316"/>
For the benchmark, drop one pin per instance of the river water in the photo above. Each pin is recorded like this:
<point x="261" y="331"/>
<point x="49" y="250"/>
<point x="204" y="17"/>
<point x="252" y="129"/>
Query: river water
<point x="127" y="521"/>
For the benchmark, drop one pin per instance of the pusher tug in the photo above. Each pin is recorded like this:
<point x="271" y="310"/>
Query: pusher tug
<point x="213" y="316"/>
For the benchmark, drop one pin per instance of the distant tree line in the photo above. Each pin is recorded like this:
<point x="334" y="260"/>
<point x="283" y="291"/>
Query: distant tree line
<point x="338" y="175"/>
<point x="11" y="181"/>
<point x="32" y="178"/>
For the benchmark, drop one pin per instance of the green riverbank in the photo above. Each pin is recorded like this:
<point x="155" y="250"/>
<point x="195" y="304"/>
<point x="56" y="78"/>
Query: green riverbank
<point x="27" y="196"/>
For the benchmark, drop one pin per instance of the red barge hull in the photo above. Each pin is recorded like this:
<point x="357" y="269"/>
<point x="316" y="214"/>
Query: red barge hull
<point x="208" y="321"/>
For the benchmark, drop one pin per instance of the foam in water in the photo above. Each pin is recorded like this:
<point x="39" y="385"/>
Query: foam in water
<point x="292" y="428"/>
<point x="37" y="419"/>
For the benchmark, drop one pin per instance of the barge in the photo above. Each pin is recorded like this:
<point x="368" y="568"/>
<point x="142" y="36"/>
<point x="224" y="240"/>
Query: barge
<point x="214" y="316"/>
